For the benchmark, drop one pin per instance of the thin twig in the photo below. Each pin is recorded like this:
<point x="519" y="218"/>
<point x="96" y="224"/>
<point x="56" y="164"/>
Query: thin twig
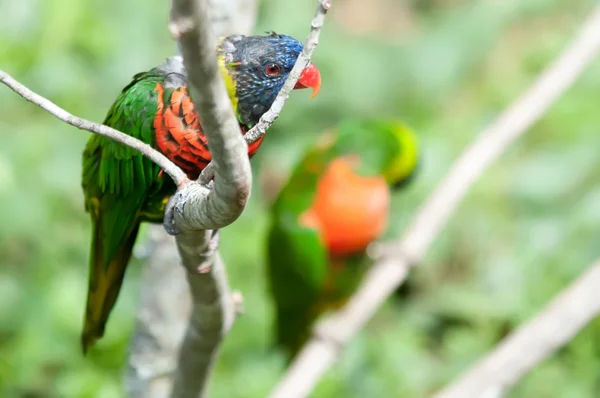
<point x="520" y="352"/>
<point x="169" y="167"/>
<point x="267" y="119"/>
<point x="311" y="43"/>
<point x="390" y="270"/>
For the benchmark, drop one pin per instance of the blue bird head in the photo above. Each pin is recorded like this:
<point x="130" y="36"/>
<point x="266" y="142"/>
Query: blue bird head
<point x="259" y="66"/>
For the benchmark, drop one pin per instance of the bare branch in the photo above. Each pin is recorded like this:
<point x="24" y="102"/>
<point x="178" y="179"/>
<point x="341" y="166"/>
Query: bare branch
<point x="390" y="270"/>
<point x="198" y="210"/>
<point x="169" y="167"/>
<point x="525" y="348"/>
<point x="266" y="120"/>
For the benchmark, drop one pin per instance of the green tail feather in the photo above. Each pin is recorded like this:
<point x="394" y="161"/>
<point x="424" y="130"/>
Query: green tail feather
<point x="293" y="328"/>
<point x="105" y="282"/>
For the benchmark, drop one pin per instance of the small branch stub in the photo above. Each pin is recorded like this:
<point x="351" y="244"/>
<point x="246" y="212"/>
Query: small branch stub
<point x="238" y="302"/>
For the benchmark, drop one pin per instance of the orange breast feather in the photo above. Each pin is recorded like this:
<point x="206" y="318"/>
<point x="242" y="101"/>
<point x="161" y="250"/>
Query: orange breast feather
<point x="349" y="210"/>
<point x="179" y="134"/>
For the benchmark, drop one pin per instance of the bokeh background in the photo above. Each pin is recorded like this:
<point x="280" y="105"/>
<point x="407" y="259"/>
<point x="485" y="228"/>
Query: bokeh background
<point x="445" y="67"/>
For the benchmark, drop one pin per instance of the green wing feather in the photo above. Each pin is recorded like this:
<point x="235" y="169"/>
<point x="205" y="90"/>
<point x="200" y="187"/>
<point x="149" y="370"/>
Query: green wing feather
<point x="117" y="182"/>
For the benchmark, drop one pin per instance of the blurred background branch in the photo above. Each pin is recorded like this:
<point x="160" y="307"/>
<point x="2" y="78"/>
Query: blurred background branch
<point x="525" y="348"/>
<point x="396" y="258"/>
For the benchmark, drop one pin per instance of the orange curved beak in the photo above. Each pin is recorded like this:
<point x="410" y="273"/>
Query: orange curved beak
<point x="310" y="78"/>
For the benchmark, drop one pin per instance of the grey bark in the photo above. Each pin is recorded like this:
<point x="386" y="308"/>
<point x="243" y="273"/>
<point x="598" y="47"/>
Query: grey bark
<point x="165" y="308"/>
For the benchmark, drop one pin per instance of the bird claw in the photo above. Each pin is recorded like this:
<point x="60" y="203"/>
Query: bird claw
<point x="169" y="218"/>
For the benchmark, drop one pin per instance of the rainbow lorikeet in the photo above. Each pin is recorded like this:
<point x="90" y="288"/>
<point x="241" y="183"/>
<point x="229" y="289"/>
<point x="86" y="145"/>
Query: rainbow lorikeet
<point x="122" y="188"/>
<point x="335" y="204"/>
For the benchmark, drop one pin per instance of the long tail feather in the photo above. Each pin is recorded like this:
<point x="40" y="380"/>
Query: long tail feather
<point x="292" y="330"/>
<point x="105" y="283"/>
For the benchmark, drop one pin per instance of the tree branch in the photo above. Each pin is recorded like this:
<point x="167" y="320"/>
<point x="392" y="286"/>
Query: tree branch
<point x="165" y="304"/>
<point x="266" y="120"/>
<point x="169" y="167"/>
<point x="393" y="265"/>
<point x="212" y="316"/>
<point x="198" y="211"/>
<point x="528" y="346"/>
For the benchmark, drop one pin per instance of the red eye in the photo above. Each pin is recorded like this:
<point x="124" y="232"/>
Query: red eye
<point x="272" y="69"/>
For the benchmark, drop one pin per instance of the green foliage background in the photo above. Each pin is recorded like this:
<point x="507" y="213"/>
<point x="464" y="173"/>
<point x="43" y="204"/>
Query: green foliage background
<point x="447" y="68"/>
